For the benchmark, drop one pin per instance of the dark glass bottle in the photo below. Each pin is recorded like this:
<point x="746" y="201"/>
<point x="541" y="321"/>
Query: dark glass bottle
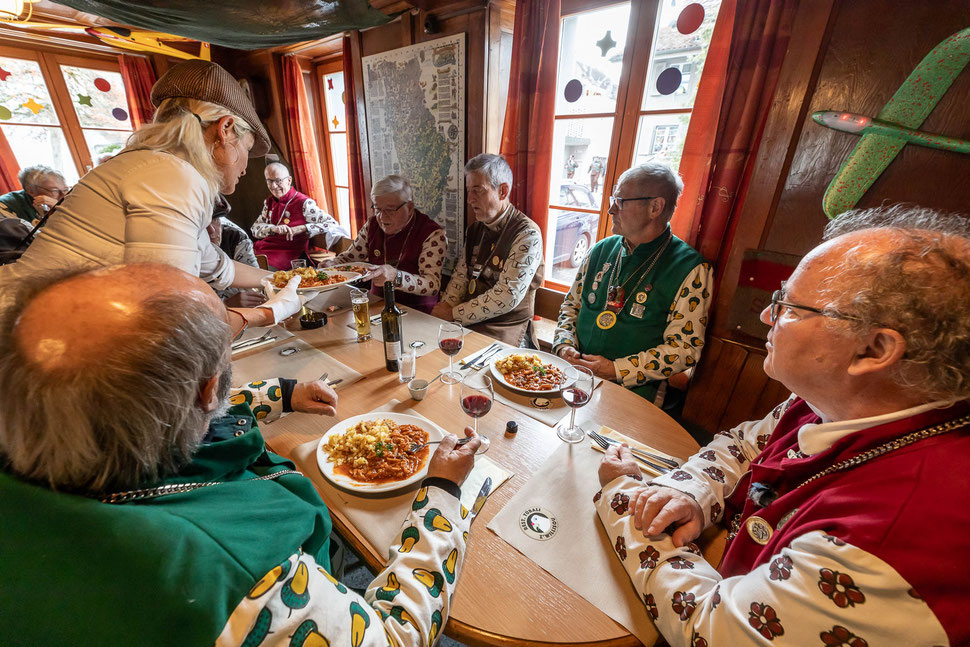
<point x="391" y="327"/>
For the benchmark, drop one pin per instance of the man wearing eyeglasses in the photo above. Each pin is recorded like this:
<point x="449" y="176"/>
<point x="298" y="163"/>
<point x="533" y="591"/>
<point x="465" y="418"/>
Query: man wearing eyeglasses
<point x="637" y="310"/>
<point x="844" y="504"/>
<point x="43" y="188"/>
<point x="289" y="220"/>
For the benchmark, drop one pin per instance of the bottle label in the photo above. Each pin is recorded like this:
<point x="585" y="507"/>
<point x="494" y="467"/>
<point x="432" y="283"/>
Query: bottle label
<point x="392" y="350"/>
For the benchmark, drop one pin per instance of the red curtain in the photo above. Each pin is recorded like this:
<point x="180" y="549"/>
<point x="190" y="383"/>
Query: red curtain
<point x="733" y="100"/>
<point x="307" y="177"/>
<point x="529" y="117"/>
<point x="358" y="199"/>
<point x="9" y="168"/>
<point x="139" y="77"/>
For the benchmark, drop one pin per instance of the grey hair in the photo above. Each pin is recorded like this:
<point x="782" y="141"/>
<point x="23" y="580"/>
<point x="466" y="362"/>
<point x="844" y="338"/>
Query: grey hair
<point x="917" y="283"/>
<point x="661" y="179"/>
<point x="125" y="420"/>
<point x="392" y="184"/>
<point x="31" y="175"/>
<point x="494" y="167"/>
<point x="279" y="164"/>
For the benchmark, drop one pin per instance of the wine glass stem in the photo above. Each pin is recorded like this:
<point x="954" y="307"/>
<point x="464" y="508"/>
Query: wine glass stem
<point x="572" y="419"/>
<point x="476" y="426"/>
<point x="451" y="365"/>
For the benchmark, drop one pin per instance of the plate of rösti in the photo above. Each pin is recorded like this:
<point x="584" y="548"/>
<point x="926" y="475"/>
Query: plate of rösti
<point x="368" y="453"/>
<point x="530" y="371"/>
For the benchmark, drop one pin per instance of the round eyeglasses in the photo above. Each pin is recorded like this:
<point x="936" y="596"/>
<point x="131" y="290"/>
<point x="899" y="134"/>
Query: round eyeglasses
<point x="280" y="182"/>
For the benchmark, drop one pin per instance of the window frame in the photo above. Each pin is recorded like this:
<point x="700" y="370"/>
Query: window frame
<point x="321" y="70"/>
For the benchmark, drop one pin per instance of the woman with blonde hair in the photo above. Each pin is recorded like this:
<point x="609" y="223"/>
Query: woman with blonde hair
<point x="153" y="201"/>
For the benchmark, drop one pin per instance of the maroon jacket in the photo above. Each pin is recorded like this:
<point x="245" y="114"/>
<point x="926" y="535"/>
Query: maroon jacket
<point x="402" y="250"/>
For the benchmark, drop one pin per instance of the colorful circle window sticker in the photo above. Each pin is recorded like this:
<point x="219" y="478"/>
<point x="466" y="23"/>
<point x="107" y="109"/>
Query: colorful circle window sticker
<point x="691" y="18"/>
<point x="573" y="91"/>
<point x="102" y="84"/>
<point x="5" y="113"/>
<point x="669" y="80"/>
<point x="119" y="114"/>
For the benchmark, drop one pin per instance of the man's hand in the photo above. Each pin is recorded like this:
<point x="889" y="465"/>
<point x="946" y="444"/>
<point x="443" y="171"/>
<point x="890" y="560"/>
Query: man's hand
<point x="599" y="365"/>
<point x="40" y="201"/>
<point x="443" y="311"/>
<point x="382" y="274"/>
<point x="569" y="354"/>
<point x="617" y="461"/>
<point x="656" y="508"/>
<point x="314" y="397"/>
<point x="454" y="464"/>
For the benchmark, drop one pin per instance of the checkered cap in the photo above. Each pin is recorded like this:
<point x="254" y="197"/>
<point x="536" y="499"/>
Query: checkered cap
<point x="197" y="79"/>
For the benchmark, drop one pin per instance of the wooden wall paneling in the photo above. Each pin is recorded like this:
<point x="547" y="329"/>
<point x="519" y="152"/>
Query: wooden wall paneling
<point x="493" y="55"/>
<point x="356" y="51"/>
<point x="746" y="395"/>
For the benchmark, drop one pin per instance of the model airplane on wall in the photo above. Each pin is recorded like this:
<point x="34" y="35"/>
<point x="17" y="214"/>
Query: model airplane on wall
<point x="896" y="124"/>
<point x="147" y="42"/>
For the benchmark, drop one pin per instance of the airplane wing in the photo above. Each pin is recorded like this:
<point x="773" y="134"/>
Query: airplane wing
<point x="919" y="94"/>
<point x="865" y="163"/>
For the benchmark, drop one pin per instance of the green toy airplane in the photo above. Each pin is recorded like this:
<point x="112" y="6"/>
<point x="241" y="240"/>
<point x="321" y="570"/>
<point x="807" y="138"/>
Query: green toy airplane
<point x="896" y="125"/>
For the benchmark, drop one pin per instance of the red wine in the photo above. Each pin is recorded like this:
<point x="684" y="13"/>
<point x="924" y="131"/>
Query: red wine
<point x="449" y="346"/>
<point x="476" y="405"/>
<point x="574" y="397"/>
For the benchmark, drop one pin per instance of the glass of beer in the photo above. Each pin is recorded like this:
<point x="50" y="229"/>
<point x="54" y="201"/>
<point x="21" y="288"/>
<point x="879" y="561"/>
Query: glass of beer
<point x="360" y="303"/>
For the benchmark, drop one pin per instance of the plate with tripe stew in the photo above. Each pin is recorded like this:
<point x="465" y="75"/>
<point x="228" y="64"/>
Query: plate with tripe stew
<point x="528" y="371"/>
<point x="369" y="453"/>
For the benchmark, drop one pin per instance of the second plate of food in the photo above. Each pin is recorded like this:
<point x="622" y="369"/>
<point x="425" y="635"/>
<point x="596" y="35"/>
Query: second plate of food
<point x="368" y="453"/>
<point x="313" y="280"/>
<point x="532" y="372"/>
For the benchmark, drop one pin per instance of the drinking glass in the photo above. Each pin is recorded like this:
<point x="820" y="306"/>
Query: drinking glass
<point x="476" y="395"/>
<point x="450" y="339"/>
<point x="409" y="359"/>
<point x="577" y="394"/>
<point x="297" y="263"/>
<point x="361" y="305"/>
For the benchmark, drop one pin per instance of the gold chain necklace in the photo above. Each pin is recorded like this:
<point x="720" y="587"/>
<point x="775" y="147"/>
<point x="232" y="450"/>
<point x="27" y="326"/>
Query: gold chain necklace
<point x="178" y="488"/>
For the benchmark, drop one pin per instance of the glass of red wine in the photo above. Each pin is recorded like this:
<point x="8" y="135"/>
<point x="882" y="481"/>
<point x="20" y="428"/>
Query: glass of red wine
<point x="477" y="394"/>
<point x="451" y="336"/>
<point x="577" y="392"/>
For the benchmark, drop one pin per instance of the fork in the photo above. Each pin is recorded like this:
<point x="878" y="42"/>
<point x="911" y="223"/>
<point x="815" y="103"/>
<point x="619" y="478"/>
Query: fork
<point x="479" y="364"/>
<point x="418" y="447"/>
<point x="251" y="341"/>
<point x="604" y="443"/>
<point x="669" y="462"/>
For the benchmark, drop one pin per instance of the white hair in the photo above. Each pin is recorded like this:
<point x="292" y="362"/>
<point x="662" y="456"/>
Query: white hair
<point x="30" y="176"/>
<point x="274" y="164"/>
<point x="392" y="184"/>
<point x="494" y="167"/>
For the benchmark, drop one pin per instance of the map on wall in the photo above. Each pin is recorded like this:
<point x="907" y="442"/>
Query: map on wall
<point x="415" y="102"/>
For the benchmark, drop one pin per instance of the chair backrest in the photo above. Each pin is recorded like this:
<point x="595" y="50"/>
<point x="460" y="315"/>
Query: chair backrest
<point x="12" y="233"/>
<point x="262" y="261"/>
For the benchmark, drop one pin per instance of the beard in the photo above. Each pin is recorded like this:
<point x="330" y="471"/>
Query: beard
<point x="222" y="392"/>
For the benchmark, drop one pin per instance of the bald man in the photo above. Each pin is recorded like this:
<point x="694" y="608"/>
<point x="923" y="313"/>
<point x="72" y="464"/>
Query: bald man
<point x="134" y="512"/>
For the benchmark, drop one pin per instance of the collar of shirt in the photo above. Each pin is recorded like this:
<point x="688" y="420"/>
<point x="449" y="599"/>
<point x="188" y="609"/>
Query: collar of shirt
<point x="648" y="246"/>
<point x="814" y="438"/>
<point x="500" y="221"/>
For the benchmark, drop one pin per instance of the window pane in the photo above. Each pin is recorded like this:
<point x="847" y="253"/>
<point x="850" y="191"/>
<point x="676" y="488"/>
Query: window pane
<point x="683" y="35"/>
<point x="105" y="142"/>
<point x="590" y="57"/>
<point x="333" y="91"/>
<point x="575" y="233"/>
<point x="98" y="97"/>
<point x="661" y="138"/>
<point x="24" y="97"/>
<point x="579" y="157"/>
<point x="41" y="145"/>
<point x="338" y="149"/>
<point x="343" y="208"/>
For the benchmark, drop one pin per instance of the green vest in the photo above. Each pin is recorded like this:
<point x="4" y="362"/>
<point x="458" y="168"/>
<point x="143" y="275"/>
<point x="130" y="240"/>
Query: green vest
<point x="21" y="204"/>
<point x="631" y="335"/>
<point x="164" y="571"/>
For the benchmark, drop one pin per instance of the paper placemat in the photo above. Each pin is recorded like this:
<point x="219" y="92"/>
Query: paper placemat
<point x="379" y="517"/>
<point x="416" y="326"/>
<point x="306" y="365"/>
<point x="615" y="435"/>
<point x="281" y="334"/>
<point x="557" y="502"/>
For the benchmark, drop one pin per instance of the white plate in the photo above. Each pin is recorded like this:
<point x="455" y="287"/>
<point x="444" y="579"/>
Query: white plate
<point x="326" y="467"/>
<point x="336" y="268"/>
<point x="547" y="358"/>
<point x="350" y="276"/>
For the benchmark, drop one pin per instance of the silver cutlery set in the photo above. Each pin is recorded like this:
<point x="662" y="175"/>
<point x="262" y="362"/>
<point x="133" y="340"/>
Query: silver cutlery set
<point x="477" y="361"/>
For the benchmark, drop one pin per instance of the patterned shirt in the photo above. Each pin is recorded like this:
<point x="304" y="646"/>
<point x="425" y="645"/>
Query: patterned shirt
<point x="318" y="222"/>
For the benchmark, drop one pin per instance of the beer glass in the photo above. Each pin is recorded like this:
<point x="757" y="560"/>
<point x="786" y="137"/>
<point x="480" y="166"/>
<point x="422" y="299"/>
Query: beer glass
<point x="360" y="303"/>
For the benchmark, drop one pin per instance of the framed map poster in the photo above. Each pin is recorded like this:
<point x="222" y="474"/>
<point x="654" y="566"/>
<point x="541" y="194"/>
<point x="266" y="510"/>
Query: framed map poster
<point x="415" y="103"/>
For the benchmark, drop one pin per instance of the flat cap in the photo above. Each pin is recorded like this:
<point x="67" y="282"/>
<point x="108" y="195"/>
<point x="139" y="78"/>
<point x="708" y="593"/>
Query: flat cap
<point x="206" y="81"/>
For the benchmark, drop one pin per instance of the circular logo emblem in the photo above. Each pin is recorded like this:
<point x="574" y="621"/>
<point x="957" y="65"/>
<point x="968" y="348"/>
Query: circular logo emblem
<point x="541" y="403"/>
<point x="538" y="523"/>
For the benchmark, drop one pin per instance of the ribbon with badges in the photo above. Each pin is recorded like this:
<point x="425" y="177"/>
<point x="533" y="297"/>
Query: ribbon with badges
<point x="614" y="304"/>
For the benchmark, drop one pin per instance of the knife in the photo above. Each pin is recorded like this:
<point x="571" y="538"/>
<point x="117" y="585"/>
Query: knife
<point x="335" y="382"/>
<point x="251" y="343"/>
<point x="480" y="363"/>
<point x="475" y="356"/>
<point x="482" y="496"/>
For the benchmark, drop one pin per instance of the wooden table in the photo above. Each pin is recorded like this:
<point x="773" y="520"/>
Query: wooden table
<point x="524" y="605"/>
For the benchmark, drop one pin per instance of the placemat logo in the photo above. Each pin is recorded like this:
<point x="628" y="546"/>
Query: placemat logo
<point x="538" y="523"/>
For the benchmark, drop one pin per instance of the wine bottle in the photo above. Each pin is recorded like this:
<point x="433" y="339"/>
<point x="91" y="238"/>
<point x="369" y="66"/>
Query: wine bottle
<point x="391" y="327"/>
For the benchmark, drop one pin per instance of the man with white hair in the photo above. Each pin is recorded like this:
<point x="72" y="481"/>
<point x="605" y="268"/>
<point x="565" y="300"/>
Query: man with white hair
<point x="637" y="309"/>
<point x="42" y="188"/>
<point x="492" y="290"/>
<point x="843" y="504"/>
<point x="405" y="246"/>
<point x="289" y="220"/>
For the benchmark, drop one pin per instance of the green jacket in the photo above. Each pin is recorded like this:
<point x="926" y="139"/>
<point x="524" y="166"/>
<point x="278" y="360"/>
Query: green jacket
<point x="80" y="572"/>
<point x="21" y="204"/>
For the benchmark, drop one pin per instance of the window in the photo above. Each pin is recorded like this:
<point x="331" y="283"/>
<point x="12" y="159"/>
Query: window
<point x="64" y="112"/>
<point x="335" y="141"/>
<point x="594" y="138"/>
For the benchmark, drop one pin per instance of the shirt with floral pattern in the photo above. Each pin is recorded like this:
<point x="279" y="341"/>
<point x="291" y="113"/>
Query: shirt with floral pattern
<point x="317" y="220"/>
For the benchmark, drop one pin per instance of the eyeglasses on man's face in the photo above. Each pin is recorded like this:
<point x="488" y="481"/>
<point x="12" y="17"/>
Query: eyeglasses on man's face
<point x="278" y="182"/>
<point x="774" y="310"/>
<point x="619" y="202"/>
<point x="54" y="191"/>
<point x="379" y="211"/>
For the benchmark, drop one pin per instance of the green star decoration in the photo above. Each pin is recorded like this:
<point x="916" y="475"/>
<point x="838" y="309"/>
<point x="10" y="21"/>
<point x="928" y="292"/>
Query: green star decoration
<point x="84" y="100"/>
<point x="606" y="43"/>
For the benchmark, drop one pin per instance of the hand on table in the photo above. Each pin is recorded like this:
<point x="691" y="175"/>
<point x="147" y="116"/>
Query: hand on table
<point x="569" y="354"/>
<point x="443" y="311"/>
<point x="599" y="365"/>
<point x="454" y="464"/>
<point x="655" y="508"/>
<point x="381" y="274"/>
<point x="314" y="397"/>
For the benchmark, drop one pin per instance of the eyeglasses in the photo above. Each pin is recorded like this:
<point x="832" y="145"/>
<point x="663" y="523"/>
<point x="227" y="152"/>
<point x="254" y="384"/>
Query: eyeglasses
<point x="54" y="191"/>
<point x="777" y="304"/>
<point x="279" y="182"/>
<point x="618" y="202"/>
<point x="378" y="211"/>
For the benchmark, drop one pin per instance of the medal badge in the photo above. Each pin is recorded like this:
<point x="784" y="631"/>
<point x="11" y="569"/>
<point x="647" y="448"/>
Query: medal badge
<point x="471" y="286"/>
<point x="606" y="319"/>
<point x="377" y="252"/>
<point x="759" y="529"/>
<point x="496" y="261"/>
<point x="591" y="298"/>
<point x="641" y="297"/>
<point x="637" y="310"/>
<point x="286" y="221"/>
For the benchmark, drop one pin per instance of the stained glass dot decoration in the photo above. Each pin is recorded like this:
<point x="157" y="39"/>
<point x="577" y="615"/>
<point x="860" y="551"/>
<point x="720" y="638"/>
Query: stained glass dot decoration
<point x="5" y="113"/>
<point x="119" y="114"/>
<point x="3" y="74"/>
<point x="668" y="81"/>
<point x="573" y="91"/>
<point x="691" y="18"/>
<point x="606" y="43"/>
<point x="102" y="84"/>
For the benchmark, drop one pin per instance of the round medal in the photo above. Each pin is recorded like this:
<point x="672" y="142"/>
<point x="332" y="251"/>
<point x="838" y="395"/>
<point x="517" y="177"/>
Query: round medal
<point x="377" y="252"/>
<point x="286" y="221"/>
<point x="595" y="285"/>
<point x="759" y="529"/>
<point x="496" y="260"/>
<point x="641" y="297"/>
<point x="471" y="286"/>
<point x="591" y="298"/>
<point x="606" y="320"/>
<point x="786" y="518"/>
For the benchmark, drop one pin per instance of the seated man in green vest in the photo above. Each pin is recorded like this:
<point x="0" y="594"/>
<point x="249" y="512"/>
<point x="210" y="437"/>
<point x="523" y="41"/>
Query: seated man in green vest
<point x="134" y="514"/>
<point x="637" y="310"/>
<point x="43" y="187"/>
